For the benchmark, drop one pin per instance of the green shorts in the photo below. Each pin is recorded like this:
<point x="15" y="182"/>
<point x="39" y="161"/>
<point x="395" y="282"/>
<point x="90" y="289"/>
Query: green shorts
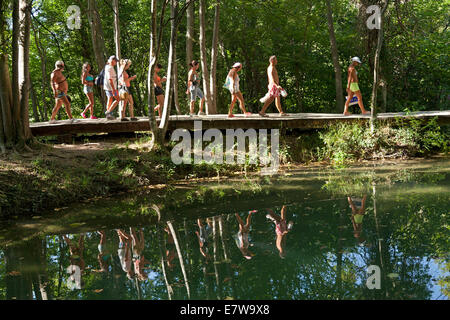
<point x="354" y="86"/>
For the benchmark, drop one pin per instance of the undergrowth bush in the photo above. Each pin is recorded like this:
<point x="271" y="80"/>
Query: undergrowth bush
<point x="345" y="142"/>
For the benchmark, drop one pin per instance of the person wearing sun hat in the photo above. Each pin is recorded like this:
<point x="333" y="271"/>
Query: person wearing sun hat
<point x="353" y="87"/>
<point x="232" y="84"/>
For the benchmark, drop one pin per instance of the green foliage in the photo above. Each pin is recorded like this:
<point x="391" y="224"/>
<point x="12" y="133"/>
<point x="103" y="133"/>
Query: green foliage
<point x="345" y="142"/>
<point x="413" y="63"/>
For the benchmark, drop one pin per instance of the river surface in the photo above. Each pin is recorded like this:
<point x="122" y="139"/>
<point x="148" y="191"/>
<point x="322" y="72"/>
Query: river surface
<point x="370" y="232"/>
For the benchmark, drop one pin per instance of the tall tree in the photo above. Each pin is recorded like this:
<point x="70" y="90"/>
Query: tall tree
<point x="24" y="69"/>
<point x="98" y="42"/>
<point x="214" y="47"/>
<point x="117" y="42"/>
<point x="171" y="66"/>
<point x="376" y="69"/>
<point x="335" y="57"/>
<point x="155" y="46"/>
<point x="204" y="58"/>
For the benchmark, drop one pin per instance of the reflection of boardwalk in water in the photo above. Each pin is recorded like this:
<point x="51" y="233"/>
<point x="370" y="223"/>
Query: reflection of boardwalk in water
<point x="323" y="258"/>
<point x="221" y="121"/>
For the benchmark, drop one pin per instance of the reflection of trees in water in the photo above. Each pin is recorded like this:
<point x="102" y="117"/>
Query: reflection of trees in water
<point x="324" y="261"/>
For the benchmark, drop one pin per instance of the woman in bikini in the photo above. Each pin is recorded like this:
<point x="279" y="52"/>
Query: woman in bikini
<point x="159" y="92"/>
<point x="193" y="88"/>
<point x="124" y="90"/>
<point x="88" y="88"/>
<point x="232" y="84"/>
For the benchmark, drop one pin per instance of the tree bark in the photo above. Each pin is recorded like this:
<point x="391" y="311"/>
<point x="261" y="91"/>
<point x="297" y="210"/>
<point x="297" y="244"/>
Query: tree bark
<point x="158" y="139"/>
<point x="214" y="47"/>
<point x="6" y="103"/>
<point x="44" y="80"/>
<point x="190" y="17"/>
<point x="98" y="43"/>
<point x="176" y="101"/>
<point x="117" y="42"/>
<point x="170" y="70"/>
<point x="34" y="103"/>
<point x="204" y="58"/>
<point x="335" y="57"/>
<point x="189" y="33"/>
<point x="24" y="85"/>
<point x="373" y="101"/>
<point x="15" y="71"/>
<point x="180" y="257"/>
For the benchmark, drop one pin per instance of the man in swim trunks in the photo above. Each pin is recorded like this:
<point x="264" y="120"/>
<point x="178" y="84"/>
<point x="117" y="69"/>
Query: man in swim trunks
<point x="59" y="86"/>
<point x="274" y="88"/>
<point x="110" y="87"/>
<point x="353" y="87"/>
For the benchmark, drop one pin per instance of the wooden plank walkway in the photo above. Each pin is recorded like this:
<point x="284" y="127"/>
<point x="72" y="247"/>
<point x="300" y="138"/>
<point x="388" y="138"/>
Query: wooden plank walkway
<point x="221" y="121"/>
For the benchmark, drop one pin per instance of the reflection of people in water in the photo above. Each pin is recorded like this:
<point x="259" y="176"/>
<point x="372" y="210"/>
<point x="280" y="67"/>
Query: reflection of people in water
<point x="203" y="235"/>
<point x="281" y="229"/>
<point x="241" y="237"/>
<point x="170" y="252"/>
<point x="103" y="253"/>
<point x="76" y="252"/>
<point x="138" y="254"/>
<point x="124" y="253"/>
<point x="358" y="207"/>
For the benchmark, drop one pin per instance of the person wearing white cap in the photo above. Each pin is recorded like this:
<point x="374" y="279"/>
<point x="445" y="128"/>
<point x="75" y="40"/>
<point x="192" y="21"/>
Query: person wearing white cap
<point x="353" y="87"/>
<point x="232" y="84"/>
<point x="110" y="87"/>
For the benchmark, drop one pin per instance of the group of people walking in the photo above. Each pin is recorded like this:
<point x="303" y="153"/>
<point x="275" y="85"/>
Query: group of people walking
<point x="117" y="89"/>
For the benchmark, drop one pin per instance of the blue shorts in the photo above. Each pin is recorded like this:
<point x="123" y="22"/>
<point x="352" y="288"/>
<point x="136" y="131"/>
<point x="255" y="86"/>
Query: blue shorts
<point x="60" y="95"/>
<point x="88" y="89"/>
<point x="111" y="94"/>
<point x="196" y="92"/>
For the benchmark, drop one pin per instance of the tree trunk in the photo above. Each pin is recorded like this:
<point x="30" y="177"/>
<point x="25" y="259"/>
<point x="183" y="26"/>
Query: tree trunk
<point x="34" y="103"/>
<point x="6" y="103"/>
<point x="23" y="85"/>
<point x="15" y="71"/>
<point x="373" y="102"/>
<point x="162" y="251"/>
<point x="176" y="101"/>
<point x="44" y="81"/>
<point x="214" y="49"/>
<point x="98" y="43"/>
<point x="170" y="70"/>
<point x="117" y="42"/>
<point x="335" y="57"/>
<point x="158" y="139"/>
<point x="190" y="16"/>
<point x="180" y="257"/>
<point x="204" y="58"/>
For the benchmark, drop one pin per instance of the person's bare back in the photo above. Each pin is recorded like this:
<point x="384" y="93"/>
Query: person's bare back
<point x="272" y="73"/>
<point x="59" y="82"/>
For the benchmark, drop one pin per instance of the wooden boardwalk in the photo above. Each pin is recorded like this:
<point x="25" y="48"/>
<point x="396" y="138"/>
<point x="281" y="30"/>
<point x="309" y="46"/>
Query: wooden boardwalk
<point x="221" y="121"/>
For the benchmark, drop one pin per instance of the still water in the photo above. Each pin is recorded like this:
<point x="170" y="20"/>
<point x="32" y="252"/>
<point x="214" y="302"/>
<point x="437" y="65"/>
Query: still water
<point x="378" y="232"/>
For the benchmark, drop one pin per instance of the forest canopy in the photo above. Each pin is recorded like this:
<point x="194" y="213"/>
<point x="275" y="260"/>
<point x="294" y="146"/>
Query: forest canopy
<point x="414" y="60"/>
